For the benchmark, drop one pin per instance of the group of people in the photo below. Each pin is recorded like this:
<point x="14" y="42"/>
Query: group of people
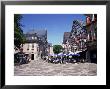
<point x="64" y="59"/>
<point x="21" y="57"/>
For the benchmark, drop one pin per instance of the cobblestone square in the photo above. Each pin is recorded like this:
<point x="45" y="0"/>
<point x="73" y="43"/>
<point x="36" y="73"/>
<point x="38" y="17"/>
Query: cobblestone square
<point x="43" y="68"/>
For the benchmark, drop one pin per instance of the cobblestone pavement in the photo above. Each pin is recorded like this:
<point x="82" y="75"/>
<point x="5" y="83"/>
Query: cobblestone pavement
<point x="42" y="68"/>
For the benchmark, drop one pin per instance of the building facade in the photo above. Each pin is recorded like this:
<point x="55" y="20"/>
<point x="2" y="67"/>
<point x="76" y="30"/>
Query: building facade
<point x="31" y="47"/>
<point x="42" y="42"/>
<point x="76" y="39"/>
<point x="50" y="49"/>
<point x="78" y="36"/>
<point x="91" y="26"/>
<point x="36" y="44"/>
<point x="66" y="42"/>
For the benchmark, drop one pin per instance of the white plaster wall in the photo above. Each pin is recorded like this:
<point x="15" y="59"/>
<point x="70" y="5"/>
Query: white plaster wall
<point x="30" y="51"/>
<point x="51" y="50"/>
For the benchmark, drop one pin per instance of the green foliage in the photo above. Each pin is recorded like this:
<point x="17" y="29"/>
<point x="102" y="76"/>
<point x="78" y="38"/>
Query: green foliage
<point x="57" y="49"/>
<point x="18" y="32"/>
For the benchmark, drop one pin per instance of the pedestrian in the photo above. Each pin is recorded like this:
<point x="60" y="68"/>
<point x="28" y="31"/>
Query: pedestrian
<point x="21" y="56"/>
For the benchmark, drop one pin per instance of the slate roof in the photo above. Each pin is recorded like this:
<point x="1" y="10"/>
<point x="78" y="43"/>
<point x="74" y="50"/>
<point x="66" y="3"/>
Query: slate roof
<point x="49" y="44"/>
<point x="36" y="33"/>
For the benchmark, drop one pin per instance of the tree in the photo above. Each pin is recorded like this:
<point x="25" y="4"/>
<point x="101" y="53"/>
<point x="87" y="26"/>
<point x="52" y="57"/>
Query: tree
<point x="57" y="49"/>
<point x="19" y="37"/>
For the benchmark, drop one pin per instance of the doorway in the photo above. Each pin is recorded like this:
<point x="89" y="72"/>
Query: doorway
<point x="32" y="56"/>
<point x="93" y="56"/>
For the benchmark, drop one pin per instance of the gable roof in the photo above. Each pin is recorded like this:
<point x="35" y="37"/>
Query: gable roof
<point x="36" y="33"/>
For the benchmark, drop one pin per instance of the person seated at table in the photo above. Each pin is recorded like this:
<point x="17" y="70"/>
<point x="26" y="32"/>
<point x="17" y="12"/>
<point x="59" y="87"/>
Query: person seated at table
<point x="50" y="59"/>
<point x="21" y="57"/>
<point x="70" y="59"/>
<point x="64" y="58"/>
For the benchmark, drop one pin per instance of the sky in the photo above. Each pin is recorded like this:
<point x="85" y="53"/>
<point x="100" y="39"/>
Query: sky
<point x="55" y="24"/>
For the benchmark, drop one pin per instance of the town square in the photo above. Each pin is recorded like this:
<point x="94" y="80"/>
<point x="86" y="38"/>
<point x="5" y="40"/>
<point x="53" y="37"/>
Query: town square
<point x="55" y="44"/>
